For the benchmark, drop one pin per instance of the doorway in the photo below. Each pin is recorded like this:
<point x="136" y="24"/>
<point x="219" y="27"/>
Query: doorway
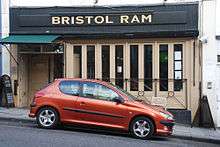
<point x="37" y="70"/>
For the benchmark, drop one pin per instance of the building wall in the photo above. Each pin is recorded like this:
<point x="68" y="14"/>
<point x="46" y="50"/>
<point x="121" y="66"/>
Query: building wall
<point x="32" y="71"/>
<point x="192" y="80"/>
<point x="0" y="37"/>
<point x="187" y="98"/>
<point x="218" y="83"/>
<point x="218" y="64"/>
<point x="210" y="70"/>
<point x="14" y="71"/>
<point x="5" y="60"/>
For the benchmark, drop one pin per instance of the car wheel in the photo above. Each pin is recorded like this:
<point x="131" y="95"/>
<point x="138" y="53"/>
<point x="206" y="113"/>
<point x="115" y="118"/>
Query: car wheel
<point x="47" y="117"/>
<point x="142" y="127"/>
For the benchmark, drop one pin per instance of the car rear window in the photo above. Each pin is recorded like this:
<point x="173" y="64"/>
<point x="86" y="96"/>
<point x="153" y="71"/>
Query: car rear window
<point x="70" y="87"/>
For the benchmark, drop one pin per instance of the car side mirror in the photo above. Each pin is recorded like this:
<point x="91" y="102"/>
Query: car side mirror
<point x="118" y="100"/>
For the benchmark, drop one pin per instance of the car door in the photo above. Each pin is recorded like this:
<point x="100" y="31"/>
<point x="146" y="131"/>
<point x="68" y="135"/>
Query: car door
<point x="96" y="105"/>
<point x="69" y="93"/>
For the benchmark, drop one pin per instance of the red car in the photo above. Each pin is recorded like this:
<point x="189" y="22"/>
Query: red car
<point x="94" y="102"/>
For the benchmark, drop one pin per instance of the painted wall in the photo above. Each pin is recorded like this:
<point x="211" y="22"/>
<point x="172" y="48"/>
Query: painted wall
<point x="217" y="18"/>
<point x="218" y="64"/>
<point x="0" y="38"/>
<point x="5" y="57"/>
<point x="218" y="84"/>
<point x="211" y="49"/>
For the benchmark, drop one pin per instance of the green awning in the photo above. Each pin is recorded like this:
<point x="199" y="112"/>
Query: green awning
<point x="16" y="39"/>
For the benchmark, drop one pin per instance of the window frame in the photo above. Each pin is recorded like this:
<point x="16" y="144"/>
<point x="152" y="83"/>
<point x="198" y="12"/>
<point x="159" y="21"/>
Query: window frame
<point x="152" y="66"/>
<point x="80" y="58"/>
<point x="122" y="65"/>
<point x="109" y="68"/>
<point x="179" y="70"/>
<point x="95" y="46"/>
<point x="130" y="63"/>
<point x="161" y="80"/>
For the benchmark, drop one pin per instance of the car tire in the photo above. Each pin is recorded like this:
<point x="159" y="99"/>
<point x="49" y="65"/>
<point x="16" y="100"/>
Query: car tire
<point x="142" y="128"/>
<point x="47" y="118"/>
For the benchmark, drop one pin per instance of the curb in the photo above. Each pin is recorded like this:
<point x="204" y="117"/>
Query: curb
<point x="23" y="120"/>
<point x="207" y="140"/>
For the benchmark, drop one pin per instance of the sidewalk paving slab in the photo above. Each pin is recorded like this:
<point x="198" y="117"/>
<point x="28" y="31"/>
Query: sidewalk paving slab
<point x="18" y="114"/>
<point x="180" y="131"/>
<point x="196" y="133"/>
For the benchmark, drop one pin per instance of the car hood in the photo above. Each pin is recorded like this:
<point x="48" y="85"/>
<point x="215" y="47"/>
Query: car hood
<point x="145" y="105"/>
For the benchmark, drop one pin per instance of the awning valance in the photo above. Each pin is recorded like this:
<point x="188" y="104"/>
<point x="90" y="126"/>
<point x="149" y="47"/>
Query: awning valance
<point x="40" y="39"/>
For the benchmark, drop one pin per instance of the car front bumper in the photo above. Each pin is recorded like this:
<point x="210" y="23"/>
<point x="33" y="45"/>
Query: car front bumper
<point x="167" y="123"/>
<point x="165" y="127"/>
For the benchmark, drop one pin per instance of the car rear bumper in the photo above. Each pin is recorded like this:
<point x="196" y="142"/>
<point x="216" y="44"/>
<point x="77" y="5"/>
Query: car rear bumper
<point x="31" y="115"/>
<point x="33" y="111"/>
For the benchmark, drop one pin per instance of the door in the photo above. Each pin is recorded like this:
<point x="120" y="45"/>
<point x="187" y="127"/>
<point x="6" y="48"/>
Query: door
<point x="38" y="73"/>
<point x="96" y="105"/>
<point x="23" y="80"/>
<point x="70" y="92"/>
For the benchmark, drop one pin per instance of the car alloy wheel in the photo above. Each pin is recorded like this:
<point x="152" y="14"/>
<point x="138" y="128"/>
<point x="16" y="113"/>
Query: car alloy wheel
<point x="142" y="127"/>
<point x="47" y="118"/>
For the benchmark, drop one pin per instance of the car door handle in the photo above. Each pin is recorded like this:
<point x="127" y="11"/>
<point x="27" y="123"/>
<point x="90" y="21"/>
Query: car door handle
<point x="82" y="103"/>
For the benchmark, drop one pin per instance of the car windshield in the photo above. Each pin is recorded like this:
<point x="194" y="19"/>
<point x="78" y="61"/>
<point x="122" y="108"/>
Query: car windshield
<point x="130" y="96"/>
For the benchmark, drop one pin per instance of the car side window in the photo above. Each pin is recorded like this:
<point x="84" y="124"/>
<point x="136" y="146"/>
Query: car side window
<point x="97" y="91"/>
<point x="70" y="87"/>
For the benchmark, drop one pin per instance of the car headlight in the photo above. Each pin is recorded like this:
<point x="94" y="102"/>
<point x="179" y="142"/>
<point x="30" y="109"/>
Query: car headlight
<point x="166" y="116"/>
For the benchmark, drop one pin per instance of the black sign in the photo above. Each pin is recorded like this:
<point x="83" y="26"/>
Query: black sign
<point x="151" y="21"/>
<point x="203" y="116"/>
<point x="7" y="90"/>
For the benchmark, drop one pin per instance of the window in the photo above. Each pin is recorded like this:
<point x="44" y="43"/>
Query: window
<point x="58" y="66"/>
<point x="147" y="67"/>
<point x="134" y="67"/>
<point x="97" y="91"/>
<point x="178" y="67"/>
<point x="119" y="81"/>
<point x="78" y="50"/>
<point x="37" y="48"/>
<point x="163" y="67"/>
<point x="90" y="62"/>
<point x="70" y="87"/>
<point x="218" y="58"/>
<point x="106" y="63"/>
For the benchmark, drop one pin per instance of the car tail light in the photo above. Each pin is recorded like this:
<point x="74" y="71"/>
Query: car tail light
<point x="38" y="94"/>
<point x="33" y="103"/>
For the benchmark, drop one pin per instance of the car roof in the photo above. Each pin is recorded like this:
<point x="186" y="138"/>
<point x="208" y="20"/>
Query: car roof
<point x="81" y="80"/>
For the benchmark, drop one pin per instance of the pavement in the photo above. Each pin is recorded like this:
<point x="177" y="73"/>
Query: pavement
<point x="14" y="134"/>
<point x="180" y="131"/>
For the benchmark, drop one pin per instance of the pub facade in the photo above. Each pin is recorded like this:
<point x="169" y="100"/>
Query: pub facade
<point x="149" y="51"/>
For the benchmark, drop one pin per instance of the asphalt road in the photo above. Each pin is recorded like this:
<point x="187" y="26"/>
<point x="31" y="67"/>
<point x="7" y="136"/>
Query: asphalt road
<point x="18" y="134"/>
